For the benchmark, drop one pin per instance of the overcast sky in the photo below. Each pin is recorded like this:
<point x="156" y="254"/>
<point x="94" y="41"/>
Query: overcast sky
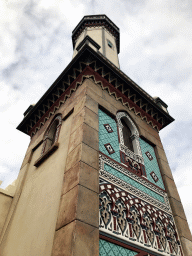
<point x="155" y="52"/>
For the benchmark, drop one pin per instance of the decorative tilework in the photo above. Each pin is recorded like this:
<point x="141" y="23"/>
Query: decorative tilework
<point x="154" y="176"/>
<point x="151" y="166"/>
<point x="109" y="148"/>
<point x="108" y="128"/>
<point x="149" y="155"/>
<point x="132" y="165"/>
<point x="109" y="249"/>
<point x="128" y="187"/>
<point x="105" y="137"/>
<point x="133" y="182"/>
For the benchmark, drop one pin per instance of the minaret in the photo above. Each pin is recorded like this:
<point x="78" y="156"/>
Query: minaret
<point x="95" y="179"/>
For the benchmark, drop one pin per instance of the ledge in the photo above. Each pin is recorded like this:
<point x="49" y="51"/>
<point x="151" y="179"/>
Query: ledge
<point x="50" y="151"/>
<point x="6" y="192"/>
<point x="87" y="40"/>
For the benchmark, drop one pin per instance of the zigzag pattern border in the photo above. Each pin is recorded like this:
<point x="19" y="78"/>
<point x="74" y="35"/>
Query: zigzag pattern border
<point x="88" y="72"/>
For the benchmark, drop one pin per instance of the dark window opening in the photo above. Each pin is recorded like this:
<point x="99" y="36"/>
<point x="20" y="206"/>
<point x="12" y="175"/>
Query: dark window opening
<point x="110" y="44"/>
<point x="127" y="136"/>
<point x="51" y="135"/>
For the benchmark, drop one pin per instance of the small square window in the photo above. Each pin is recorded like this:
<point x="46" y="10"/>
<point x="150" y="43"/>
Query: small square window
<point x="110" y="44"/>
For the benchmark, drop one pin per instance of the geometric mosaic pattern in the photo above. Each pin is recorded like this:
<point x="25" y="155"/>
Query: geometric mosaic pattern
<point x="151" y="165"/>
<point x="105" y="137"/>
<point x="133" y="183"/>
<point x="110" y="249"/>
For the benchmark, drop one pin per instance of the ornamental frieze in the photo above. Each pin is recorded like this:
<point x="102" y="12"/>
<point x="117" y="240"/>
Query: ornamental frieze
<point x="133" y="220"/>
<point x="157" y="196"/>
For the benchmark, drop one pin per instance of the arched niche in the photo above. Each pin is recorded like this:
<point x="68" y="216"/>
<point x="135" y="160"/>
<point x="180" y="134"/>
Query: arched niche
<point x="135" y="151"/>
<point x="51" y="135"/>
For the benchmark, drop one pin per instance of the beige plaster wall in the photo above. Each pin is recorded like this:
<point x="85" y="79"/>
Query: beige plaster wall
<point x="79" y="39"/>
<point x="31" y="221"/>
<point x="101" y="35"/>
<point x="111" y="53"/>
<point x="32" y="225"/>
<point x="5" y="203"/>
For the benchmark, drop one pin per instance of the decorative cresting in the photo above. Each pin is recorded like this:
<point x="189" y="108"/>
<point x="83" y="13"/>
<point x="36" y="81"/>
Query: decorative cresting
<point x="131" y="219"/>
<point x="136" y="222"/>
<point x="52" y="133"/>
<point x="160" y="228"/>
<point x="133" y="158"/>
<point x="105" y="208"/>
<point x="149" y="228"/>
<point x="173" y="237"/>
<point x="121" y="214"/>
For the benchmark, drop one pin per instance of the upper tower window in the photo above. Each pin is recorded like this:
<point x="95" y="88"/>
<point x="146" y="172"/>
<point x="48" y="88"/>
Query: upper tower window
<point x="109" y="44"/>
<point x="127" y="135"/>
<point x="50" y="140"/>
<point x="51" y="136"/>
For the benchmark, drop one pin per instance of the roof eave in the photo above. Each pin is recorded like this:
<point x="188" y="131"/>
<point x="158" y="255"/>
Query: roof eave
<point x="109" y="65"/>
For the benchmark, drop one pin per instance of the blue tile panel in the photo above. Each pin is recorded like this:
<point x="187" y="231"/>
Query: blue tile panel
<point x="151" y="166"/>
<point x="105" y="137"/>
<point x="110" y="249"/>
<point x="133" y="182"/>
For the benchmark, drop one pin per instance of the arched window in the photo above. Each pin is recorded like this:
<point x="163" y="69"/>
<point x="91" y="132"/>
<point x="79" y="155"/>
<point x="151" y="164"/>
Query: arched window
<point x="127" y="135"/>
<point x="51" y="135"/>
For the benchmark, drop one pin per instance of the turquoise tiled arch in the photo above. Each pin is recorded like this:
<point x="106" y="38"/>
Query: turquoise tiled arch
<point x="109" y="249"/>
<point x="151" y="166"/>
<point x="105" y="137"/>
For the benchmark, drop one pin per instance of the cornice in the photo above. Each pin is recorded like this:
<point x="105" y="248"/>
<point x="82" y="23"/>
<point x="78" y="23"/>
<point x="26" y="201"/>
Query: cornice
<point x="88" y="63"/>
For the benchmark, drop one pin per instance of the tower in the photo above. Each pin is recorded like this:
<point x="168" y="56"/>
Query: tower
<point x="95" y="178"/>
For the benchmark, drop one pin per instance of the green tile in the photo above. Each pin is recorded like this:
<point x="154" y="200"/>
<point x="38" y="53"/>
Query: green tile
<point x="110" y="249"/>
<point x="112" y="138"/>
<point x="151" y="166"/>
<point x="105" y="137"/>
